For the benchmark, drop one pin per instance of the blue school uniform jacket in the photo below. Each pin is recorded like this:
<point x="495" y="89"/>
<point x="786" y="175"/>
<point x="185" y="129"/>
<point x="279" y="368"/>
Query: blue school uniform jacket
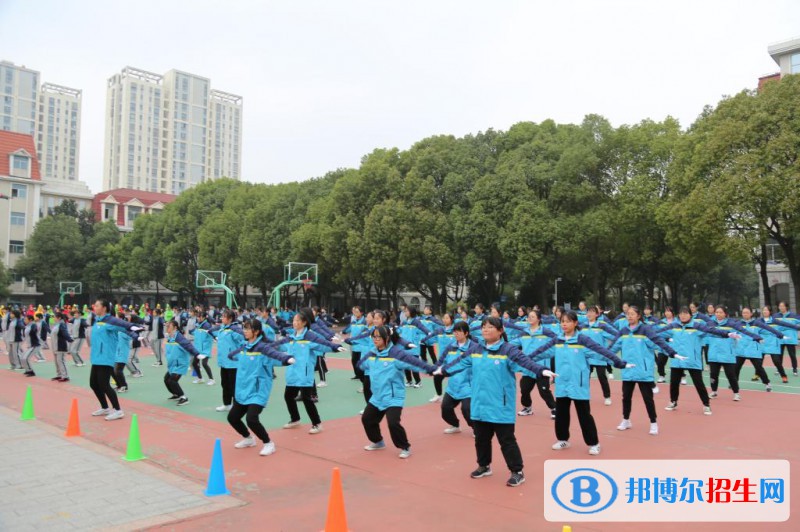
<point x="638" y="345"/>
<point x="722" y="349"/>
<point x="531" y="341"/>
<point x="385" y="369"/>
<point x="62" y="337"/>
<point x="229" y="338"/>
<point x="789" y="331"/>
<point x="603" y="334"/>
<point x="305" y="347"/>
<point x="772" y="344"/>
<point x="688" y="340"/>
<point x="572" y="363"/>
<point x="255" y="363"/>
<point x="203" y="341"/>
<point x="494" y="383"/>
<point x="746" y="346"/>
<point x="179" y="351"/>
<point x="459" y="386"/>
<point x="105" y="339"/>
<point x="356" y="327"/>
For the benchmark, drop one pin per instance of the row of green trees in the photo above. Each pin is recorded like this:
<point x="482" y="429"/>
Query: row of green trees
<point x="648" y="207"/>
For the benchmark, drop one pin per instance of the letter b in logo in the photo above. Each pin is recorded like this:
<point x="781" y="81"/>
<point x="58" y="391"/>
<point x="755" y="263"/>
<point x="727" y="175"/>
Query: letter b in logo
<point x="585" y="492"/>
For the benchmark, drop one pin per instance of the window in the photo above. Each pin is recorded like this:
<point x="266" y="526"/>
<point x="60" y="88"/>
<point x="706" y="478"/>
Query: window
<point x="133" y="212"/>
<point x="16" y="277"/>
<point x="795" y="64"/>
<point x="16" y="246"/>
<point x="17" y="218"/>
<point x="21" y="163"/>
<point x="108" y="212"/>
<point x="19" y="191"/>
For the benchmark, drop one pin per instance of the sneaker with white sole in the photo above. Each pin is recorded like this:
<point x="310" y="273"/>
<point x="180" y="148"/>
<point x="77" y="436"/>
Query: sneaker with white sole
<point x="607" y="401"/>
<point x="671" y="406"/>
<point x="611" y="376"/>
<point x="322" y="384"/>
<point x="707" y="410"/>
<point x="737" y="397"/>
<point x="713" y="395"/>
<point x="101" y="412"/>
<point x="405" y="453"/>
<point x="360" y="412"/>
<point x="553" y="414"/>
<point x="768" y="388"/>
<point x="245" y="443"/>
<point x="560" y="445"/>
<point x="482" y="471"/>
<point x="268" y="449"/>
<point x="224" y="408"/>
<point x="654" y="429"/>
<point x="515" y="480"/>
<point x="116" y="414"/>
<point x="594" y="450"/>
<point x="292" y="424"/>
<point x="408" y="385"/>
<point x="452" y="430"/>
<point x="526" y="411"/>
<point x="625" y="424"/>
<point x="378" y="446"/>
<point x="137" y="375"/>
<point x="655" y="390"/>
<point x="416" y="385"/>
<point x="197" y="381"/>
<point x="210" y="382"/>
<point x="683" y="381"/>
<point x="315" y="429"/>
<point x="183" y="401"/>
<point x="661" y="379"/>
<point x="435" y="399"/>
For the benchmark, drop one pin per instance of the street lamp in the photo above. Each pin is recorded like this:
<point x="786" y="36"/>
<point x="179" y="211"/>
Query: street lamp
<point x="558" y="279"/>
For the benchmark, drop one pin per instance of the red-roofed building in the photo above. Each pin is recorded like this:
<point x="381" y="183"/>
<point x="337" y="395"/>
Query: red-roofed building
<point x="20" y="196"/>
<point x="123" y="205"/>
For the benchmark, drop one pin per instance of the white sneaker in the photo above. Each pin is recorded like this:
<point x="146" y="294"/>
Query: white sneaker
<point x="116" y="414"/>
<point x="594" y="450"/>
<point x="322" y="384"/>
<point x="452" y="430"/>
<point x="737" y="397"/>
<point x="268" y="449"/>
<point x="526" y="411"/>
<point x="197" y="381"/>
<point x="435" y="399"/>
<point x="707" y="410"/>
<point x="210" y="382"/>
<point x="416" y="385"/>
<point x="683" y="381"/>
<point x="315" y="429"/>
<point x="654" y="429"/>
<point x="360" y="412"/>
<point x="611" y="376"/>
<point x="560" y="445"/>
<point x="224" y="408"/>
<point x="655" y="390"/>
<point x="671" y="406"/>
<point x="713" y="395"/>
<point x="292" y="424"/>
<point x="101" y="412"/>
<point x="625" y="424"/>
<point x="247" y="442"/>
<point x="137" y="375"/>
<point x="405" y="453"/>
<point x="661" y="379"/>
<point x="607" y="401"/>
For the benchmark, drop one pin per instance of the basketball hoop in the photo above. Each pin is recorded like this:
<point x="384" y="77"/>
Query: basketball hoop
<point x="308" y="285"/>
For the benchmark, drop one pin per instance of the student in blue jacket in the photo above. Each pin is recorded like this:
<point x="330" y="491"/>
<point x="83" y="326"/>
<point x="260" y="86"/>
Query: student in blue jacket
<point x="385" y="365"/>
<point x="688" y="337"/>
<point x="536" y="336"/>
<point x="203" y="342"/>
<point x="230" y="338"/>
<point x="305" y="346"/>
<point x="179" y="352"/>
<point x="254" y="365"/>
<point x="771" y="345"/>
<point x="790" y="338"/>
<point x="637" y="343"/>
<point x="750" y="349"/>
<point x="605" y="335"/>
<point x="413" y="331"/>
<point x="426" y="348"/>
<point x="721" y="353"/>
<point x="105" y="337"/>
<point x="494" y="391"/>
<point x="358" y="324"/>
<point x="61" y="339"/>
<point x="571" y="351"/>
<point x="459" y="386"/>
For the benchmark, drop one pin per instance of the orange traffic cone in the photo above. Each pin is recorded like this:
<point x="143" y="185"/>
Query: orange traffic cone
<point x="73" y="425"/>
<point x="337" y="520"/>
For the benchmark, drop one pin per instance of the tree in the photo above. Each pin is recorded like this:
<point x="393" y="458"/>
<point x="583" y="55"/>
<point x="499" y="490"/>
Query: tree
<point x="53" y="253"/>
<point x="5" y="279"/>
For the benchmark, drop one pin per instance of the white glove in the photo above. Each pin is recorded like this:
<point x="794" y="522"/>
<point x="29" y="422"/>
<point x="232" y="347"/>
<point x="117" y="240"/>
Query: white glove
<point x="341" y="349"/>
<point x="290" y="361"/>
<point x="412" y="346"/>
<point x="437" y="372"/>
<point x="735" y="336"/>
<point x="681" y="357"/>
<point x="202" y="357"/>
<point x="627" y="366"/>
<point x="548" y="373"/>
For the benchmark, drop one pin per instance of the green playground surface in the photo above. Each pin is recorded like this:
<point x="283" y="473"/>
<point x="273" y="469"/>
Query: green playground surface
<point x="340" y="399"/>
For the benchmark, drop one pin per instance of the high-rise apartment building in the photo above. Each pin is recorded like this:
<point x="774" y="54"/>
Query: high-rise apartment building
<point x="51" y="113"/>
<point x="168" y="133"/>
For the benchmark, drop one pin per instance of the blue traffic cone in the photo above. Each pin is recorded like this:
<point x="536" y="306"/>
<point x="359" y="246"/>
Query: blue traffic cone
<point x="216" y="476"/>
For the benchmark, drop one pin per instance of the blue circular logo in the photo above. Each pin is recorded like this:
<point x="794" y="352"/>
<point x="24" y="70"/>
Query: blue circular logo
<point x="584" y="491"/>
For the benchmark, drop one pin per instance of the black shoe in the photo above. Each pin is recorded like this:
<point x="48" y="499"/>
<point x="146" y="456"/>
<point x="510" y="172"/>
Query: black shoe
<point x="516" y="479"/>
<point x="482" y="471"/>
<point x="122" y="389"/>
<point x="30" y="374"/>
<point x="173" y="397"/>
<point x="182" y="401"/>
<point x="315" y="399"/>
<point x="355" y="378"/>
<point x="553" y="414"/>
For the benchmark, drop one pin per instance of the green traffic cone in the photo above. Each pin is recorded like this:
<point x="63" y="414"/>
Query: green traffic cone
<point x="27" y="408"/>
<point x="134" y="451"/>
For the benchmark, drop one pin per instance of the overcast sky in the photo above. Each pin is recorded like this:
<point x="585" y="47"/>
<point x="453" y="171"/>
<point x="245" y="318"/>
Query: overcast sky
<point x="326" y="81"/>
